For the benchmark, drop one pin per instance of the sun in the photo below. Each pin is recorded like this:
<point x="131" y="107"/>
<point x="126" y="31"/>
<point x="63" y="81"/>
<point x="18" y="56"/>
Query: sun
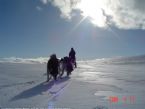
<point x="93" y="9"/>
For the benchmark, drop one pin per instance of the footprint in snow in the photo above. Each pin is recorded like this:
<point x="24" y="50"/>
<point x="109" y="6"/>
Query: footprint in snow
<point x="100" y="107"/>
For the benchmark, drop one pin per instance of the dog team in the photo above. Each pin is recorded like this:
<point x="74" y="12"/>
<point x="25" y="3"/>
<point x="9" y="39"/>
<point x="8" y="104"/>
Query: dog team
<point x="56" y="67"/>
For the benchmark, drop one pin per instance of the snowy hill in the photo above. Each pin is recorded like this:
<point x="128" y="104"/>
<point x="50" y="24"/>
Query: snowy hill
<point x="91" y="86"/>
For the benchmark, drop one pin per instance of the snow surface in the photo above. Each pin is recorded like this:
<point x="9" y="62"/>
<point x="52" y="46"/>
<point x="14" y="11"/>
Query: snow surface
<point x="89" y="87"/>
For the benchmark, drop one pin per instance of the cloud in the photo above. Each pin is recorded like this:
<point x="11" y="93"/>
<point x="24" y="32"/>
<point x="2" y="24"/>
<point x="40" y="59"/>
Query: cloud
<point x="38" y="8"/>
<point x="123" y="14"/>
<point x="126" y="14"/>
<point x="44" y="1"/>
<point x="25" y="60"/>
<point x="65" y="6"/>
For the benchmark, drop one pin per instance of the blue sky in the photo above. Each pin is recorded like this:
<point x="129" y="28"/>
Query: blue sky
<point x="38" y="28"/>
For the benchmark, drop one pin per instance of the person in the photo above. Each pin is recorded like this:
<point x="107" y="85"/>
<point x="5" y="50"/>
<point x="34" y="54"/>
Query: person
<point x="52" y="67"/>
<point x="65" y="65"/>
<point x="68" y="65"/>
<point x="72" y="56"/>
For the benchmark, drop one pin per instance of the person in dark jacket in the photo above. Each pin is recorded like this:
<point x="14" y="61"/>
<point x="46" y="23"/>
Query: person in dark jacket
<point x="65" y="65"/>
<point x="72" y="56"/>
<point x="52" y="67"/>
<point x="68" y="65"/>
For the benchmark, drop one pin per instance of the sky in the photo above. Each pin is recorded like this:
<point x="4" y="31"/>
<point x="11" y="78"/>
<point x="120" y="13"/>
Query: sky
<point x="94" y="28"/>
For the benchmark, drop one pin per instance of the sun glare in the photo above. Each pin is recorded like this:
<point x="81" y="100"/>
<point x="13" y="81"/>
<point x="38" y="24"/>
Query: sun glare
<point x="93" y="9"/>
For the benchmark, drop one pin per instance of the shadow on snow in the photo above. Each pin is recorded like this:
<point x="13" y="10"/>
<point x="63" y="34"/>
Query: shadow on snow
<point x="38" y="89"/>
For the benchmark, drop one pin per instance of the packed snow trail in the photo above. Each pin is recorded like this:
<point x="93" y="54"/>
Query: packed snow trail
<point x="57" y="90"/>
